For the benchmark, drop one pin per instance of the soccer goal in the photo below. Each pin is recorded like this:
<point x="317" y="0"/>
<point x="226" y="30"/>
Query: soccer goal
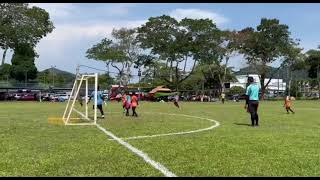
<point x="77" y="111"/>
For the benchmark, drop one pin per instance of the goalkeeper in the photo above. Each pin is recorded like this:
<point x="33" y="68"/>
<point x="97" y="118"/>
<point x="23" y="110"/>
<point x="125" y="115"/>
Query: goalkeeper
<point x="100" y="100"/>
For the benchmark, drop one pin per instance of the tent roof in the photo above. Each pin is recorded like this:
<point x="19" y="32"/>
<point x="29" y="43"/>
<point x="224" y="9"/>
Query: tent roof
<point x="159" y="88"/>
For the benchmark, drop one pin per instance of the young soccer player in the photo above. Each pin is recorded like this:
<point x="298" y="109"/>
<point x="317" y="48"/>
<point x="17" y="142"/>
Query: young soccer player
<point x="252" y="102"/>
<point x="128" y="103"/>
<point x="176" y="100"/>
<point x="222" y="97"/>
<point x="124" y="96"/>
<point x="134" y="104"/>
<point x="287" y="105"/>
<point x="100" y="100"/>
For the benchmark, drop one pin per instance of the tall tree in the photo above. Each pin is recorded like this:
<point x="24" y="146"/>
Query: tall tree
<point x="293" y="61"/>
<point x="11" y="17"/>
<point x="179" y="43"/>
<point x="21" y="24"/>
<point x="23" y="67"/>
<point x="270" y="41"/>
<point x="121" y="52"/>
<point x="313" y="62"/>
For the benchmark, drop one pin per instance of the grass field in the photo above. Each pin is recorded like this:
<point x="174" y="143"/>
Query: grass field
<point x="283" y="145"/>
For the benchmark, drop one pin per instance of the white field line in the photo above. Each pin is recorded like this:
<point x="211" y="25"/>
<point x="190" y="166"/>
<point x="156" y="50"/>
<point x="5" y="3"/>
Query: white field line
<point x="307" y="108"/>
<point x="177" y="133"/>
<point x="143" y="155"/>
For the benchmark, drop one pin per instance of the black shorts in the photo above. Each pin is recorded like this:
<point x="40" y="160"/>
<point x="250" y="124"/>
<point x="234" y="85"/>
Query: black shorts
<point x="253" y="106"/>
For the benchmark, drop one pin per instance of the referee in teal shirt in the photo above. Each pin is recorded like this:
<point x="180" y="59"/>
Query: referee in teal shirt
<point x="252" y="102"/>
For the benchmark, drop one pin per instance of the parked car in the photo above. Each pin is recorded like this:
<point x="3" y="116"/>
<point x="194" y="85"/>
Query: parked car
<point x="238" y="97"/>
<point x="17" y="96"/>
<point x="63" y="97"/>
<point x="28" y="97"/>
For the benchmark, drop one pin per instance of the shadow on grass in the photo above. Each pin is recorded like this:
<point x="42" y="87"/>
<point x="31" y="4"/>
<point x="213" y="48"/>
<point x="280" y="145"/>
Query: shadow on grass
<point x="242" y="124"/>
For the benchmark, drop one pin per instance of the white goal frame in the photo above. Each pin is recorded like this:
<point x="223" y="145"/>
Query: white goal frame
<point x="73" y="98"/>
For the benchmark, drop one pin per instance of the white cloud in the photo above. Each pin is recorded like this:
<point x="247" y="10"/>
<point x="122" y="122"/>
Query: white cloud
<point x="67" y="44"/>
<point x="76" y="31"/>
<point x="56" y="10"/>
<point x="65" y="12"/>
<point x="198" y="14"/>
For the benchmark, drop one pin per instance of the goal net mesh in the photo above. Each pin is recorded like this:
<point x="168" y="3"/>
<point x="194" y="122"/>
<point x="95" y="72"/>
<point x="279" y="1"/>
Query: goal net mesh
<point x="78" y="110"/>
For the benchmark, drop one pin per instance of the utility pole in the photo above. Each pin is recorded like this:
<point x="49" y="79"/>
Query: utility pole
<point x="77" y="70"/>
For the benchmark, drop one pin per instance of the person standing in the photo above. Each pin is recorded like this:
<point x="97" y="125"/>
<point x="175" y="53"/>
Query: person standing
<point x="222" y="97"/>
<point x="128" y="104"/>
<point x="100" y="100"/>
<point x="124" y="96"/>
<point x="287" y="105"/>
<point x="252" y="101"/>
<point x="176" y="100"/>
<point x="134" y="104"/>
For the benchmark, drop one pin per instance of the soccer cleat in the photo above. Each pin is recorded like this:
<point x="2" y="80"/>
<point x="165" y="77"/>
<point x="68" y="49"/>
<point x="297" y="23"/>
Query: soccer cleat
<point x="102" y="116"/>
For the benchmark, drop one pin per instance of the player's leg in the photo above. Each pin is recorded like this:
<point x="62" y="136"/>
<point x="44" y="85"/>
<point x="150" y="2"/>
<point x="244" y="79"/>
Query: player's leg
<point x="133" y="111"/>
<point x="101" y="110"/>
<point x="127" y="111"/>
<point x="252" y="111"/>
<point x="291" y="110"/>
<point x="176" y="104"/>
<point x="124" y="107"/>
<point x="256" y="113"/>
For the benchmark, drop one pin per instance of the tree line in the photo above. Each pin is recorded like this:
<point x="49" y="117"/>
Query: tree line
<point x="163" y="47"/>
<point x="182" y="54"/>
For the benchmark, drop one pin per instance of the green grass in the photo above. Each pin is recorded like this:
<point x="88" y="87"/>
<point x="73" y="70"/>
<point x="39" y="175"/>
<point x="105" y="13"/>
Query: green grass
<point x="283" y="145"/>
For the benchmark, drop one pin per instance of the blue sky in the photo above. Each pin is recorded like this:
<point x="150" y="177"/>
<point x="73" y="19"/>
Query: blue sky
<point x="81" y="25"/>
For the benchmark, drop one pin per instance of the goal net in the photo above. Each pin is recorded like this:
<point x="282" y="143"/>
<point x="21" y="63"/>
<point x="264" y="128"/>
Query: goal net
<point x="77" y="111"/>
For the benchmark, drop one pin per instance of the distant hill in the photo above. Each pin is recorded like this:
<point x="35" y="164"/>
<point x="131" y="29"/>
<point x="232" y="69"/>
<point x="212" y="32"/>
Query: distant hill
<point x="61" y="78"/>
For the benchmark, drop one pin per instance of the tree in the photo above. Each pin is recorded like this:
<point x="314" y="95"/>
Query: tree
<point x="5" y="71"/>
<point x="270" y="41"/>
<point x="10" y="18"/>
<point x="153" y="73"/>
<point x="213" y="74"/>
<point x="23" y="67"/>
<point x="105" y="81"/>
<point x="230" y="44"/>
<point x="313" y="62"/>
<point x="293" y="61"/>
<point x="20" y="24"/>
<point x="121" y="52"/>
<point x="177" y="43"/>
<point x="236" y="90"/>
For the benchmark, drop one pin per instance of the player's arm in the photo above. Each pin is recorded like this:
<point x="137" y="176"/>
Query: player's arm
<point x="247" y="98"/>
<point x="103" y="99"/>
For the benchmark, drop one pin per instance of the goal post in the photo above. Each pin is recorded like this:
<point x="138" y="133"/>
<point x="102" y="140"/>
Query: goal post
<point x="81" y="84"/>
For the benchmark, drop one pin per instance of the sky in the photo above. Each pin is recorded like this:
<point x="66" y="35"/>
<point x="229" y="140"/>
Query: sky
<point x="81" y="25"/>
